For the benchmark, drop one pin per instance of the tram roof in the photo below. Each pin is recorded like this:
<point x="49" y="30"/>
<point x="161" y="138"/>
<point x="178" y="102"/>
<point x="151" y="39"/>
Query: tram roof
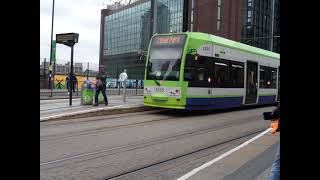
<point x="230" y="43"/>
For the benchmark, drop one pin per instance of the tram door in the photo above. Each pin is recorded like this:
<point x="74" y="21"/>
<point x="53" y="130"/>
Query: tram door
<point x="251" y="88"/>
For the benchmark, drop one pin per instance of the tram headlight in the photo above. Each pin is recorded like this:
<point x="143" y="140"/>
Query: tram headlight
<point x="147" y="91"/>
<point x="174" y="92"/>
<point x="177" y="92"/>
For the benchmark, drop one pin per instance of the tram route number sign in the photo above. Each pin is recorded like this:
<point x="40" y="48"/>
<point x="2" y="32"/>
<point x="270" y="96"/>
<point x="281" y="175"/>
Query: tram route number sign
<point x="68" y="39"/>
<point x="169" y="40"/>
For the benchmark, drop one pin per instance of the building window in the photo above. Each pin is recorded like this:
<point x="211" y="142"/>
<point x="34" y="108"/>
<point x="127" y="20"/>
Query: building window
<point x="218" y="15"/>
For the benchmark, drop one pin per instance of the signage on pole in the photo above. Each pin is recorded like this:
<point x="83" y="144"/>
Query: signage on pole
<point x="53" y="55"/>
<point x="69" y="39"/>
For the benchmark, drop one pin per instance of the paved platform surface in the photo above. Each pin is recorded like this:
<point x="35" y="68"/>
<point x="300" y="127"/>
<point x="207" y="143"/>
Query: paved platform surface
<point x="252" y="162"/>
<point x="57" y="107"/>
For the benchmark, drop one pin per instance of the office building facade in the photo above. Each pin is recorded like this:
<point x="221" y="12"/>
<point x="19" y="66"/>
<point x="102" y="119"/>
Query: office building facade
<point x="125" y="32"/>
<point x="261" y="24"/>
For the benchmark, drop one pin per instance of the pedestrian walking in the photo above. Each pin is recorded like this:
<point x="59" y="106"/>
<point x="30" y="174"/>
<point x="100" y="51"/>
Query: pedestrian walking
<point x="101" y="86"/>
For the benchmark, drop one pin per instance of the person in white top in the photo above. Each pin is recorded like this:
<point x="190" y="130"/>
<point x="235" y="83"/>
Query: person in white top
<point x="123" y="77"/>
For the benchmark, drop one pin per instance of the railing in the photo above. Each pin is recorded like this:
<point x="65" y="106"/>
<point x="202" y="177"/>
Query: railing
<point x="58" y="88"/>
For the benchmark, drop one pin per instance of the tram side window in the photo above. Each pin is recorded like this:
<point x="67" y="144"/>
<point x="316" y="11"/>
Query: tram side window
<point x="222" y="74"/>
<point x="202" y="69"/>
<point x="273" y="78"/>
<point x="262" y="76"/>
<point x="189" y="68"/>
<point x="268" y="77"/>
<point x="197" y="72"/>
<point x="237" y="74"/>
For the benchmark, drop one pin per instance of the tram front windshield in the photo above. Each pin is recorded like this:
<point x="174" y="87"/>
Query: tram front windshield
<point x="165" y="57"/>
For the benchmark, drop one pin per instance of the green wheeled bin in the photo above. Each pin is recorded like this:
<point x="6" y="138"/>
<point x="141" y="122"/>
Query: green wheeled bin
<point x="87" y="93"/>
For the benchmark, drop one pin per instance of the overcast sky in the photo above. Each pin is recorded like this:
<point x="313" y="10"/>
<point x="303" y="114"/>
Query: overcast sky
<point x="79" y="16"/>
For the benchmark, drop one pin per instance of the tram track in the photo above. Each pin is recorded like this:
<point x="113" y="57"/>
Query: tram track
<point x="181" y="156"/>
<point x="103" y="129"/>
<point x="94" y="118"/>
<point x="63" y="107"/>
<point x="76" y="158"/>
<point x="117" y="127"/>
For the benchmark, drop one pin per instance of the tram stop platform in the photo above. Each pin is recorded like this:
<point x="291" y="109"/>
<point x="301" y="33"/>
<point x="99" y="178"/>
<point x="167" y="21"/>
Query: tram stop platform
<point x="252" y="162"/>
<point x="59" y="108"/>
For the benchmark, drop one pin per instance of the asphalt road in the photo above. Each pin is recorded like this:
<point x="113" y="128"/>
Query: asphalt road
<point x="145" y="145"/>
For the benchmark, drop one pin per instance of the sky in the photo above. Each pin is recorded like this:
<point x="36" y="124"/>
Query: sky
<point x="78" y="16"/>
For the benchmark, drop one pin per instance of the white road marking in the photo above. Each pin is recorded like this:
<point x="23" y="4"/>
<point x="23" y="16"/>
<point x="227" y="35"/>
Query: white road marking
<point x="194" y="171"/>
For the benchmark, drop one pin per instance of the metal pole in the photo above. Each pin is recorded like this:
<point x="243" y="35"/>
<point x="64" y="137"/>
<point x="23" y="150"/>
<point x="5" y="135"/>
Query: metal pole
<point x="136" y="86"/>
<point x="50" y="73"/>
<point x="118" y="83"/>
<point x="43" y="83"/>
<point x="54" y="72"/>
<point x="77" y="89"/>
<point x="44" y="68"/>
<point x="155" y="18"/>
<point x="71" y="75"/>
<point x="272" y="24"/>
<point x="192" y="14"/>
<point x="88" y="71"/>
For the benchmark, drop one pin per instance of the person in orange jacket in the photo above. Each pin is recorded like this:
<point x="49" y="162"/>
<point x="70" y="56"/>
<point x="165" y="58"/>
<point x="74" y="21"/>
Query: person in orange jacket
<point x="275" y="127"/>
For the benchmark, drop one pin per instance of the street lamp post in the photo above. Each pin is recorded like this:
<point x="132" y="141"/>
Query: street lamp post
<point x="272" y="26"/>
<point x="88" y="71"/>
<point x="44" y="70"/>
<point x="117" y="72"/>
<point x="50" y="72"/>
<point x="69" y="39"/>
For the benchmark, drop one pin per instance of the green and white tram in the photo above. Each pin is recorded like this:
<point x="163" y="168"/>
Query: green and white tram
<point x="198" y="71"/>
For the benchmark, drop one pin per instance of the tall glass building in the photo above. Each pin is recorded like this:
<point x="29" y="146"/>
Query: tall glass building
<point x="126" y="33"/>
<point x="261" y="24"/>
